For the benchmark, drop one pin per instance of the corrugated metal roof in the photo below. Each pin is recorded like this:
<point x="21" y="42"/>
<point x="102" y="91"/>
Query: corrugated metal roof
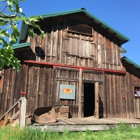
<point x="21" y="45"/>
<point x="130" y="62"/>
<point x="98" y="21"/>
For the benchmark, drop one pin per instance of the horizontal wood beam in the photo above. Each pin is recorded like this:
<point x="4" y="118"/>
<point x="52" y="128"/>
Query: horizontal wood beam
<point x="77" y="67"/>
<point x="92" y="81"/>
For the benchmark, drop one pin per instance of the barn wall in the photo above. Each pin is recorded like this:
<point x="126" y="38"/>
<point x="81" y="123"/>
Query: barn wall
<point x="115" y="90"/>
<point x="133" y="80"/>
<point x="60" y="45"/>
<point x="120" y="97"/>
<point x="69" y="76"/>
<point x="66" y="77"/>
<point x="36" y="81"/>
<point x="42" y="87"/>
<point x="63" y="46"/>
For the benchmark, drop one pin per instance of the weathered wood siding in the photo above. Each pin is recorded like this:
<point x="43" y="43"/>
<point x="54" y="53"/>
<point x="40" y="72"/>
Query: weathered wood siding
<point x="61" y="45"/>
<point x="132" y="80"/>
<point x="42" y="87"/>
<point x="120" y="93"/>
<point x="115" y="90"/>
<point x="36" y="81"/>
<point x="69" y="76"/>
<point x="66" y="77"/>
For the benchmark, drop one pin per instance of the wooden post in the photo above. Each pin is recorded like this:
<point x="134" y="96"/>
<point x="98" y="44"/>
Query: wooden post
<point x="97" y="100"/>
<point x="80" y="95"/>
<point x="22" y="112"/>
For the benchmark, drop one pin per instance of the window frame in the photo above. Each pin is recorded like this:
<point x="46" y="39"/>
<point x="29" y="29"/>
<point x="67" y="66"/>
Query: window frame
<point x="136" y="91"/>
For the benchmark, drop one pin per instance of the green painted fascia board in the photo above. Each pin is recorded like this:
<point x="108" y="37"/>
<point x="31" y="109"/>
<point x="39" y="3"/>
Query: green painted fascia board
<point x="22" y="45"/>
<point x="23" y="31"/>
<point x="107" y="26"/>
<point x="121" y="36"/>
<point x="118" y="34"/>
<point x="131" y="62"/>
<point x="62" y="13"/>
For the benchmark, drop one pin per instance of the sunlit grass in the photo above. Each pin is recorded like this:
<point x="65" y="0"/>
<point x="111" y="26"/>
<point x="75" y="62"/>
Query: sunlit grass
<point x="122" y="132"/>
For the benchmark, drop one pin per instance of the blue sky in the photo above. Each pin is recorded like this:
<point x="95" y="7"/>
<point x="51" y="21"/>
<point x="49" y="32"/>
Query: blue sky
<point x="122" y="15"/>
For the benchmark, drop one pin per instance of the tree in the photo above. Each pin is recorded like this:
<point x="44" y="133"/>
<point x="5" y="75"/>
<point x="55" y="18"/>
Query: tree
<point x="10" y="15"/>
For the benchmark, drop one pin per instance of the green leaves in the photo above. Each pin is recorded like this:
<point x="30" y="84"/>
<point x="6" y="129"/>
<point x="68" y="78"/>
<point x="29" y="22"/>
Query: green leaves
<point x="4" y="33"/>
<point x="7" y="58"/>
<point x="9" y="32"/>
<point x="32" y="22"/>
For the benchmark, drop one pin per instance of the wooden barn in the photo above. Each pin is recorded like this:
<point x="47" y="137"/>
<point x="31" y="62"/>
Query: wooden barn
<point x="78" y="65"/>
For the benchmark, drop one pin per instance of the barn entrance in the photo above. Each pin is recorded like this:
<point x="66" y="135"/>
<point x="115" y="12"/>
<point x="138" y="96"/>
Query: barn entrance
<point x="89" y="99"/>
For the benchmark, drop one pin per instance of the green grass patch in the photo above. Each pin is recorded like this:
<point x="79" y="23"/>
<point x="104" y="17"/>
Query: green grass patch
<point x="122" y="132"/>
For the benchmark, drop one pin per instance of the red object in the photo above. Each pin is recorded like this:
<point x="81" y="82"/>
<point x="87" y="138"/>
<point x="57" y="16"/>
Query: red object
<point x="23" y="93"/>
<point x="71" y="66"/>
<point x="124" y="97"/>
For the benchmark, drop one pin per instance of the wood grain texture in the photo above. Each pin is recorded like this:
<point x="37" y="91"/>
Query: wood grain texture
<point x="60" y="45"/>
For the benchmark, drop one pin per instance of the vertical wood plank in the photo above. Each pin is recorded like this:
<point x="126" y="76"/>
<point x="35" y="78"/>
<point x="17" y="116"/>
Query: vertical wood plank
<point x="114" y="94"/>
<point x="97" y="100"/>
<point x="61" y="43"/>
<point x="80" y="94"/>
<point x="110" y="96"/>
<point x="120" y="97"/>
<point x="5" y="91"/>
<point x="12" y="89"/>
<point x="54" y="85"/>
<point x="41" y="87"/>
<point x="35" y="86"/>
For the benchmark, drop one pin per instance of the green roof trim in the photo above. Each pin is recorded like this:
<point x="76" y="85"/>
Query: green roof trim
<point x="131" y="62"/>
<point x="118" y="34"/>
<point x="22" y="45"/>
<point x="122" y="38"/>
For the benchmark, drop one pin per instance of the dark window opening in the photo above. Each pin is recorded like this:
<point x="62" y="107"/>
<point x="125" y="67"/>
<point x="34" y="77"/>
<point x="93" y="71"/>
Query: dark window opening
<point x="80" y="27"/>
<point x="89" y="99"/>
<point x="137" y="91"/>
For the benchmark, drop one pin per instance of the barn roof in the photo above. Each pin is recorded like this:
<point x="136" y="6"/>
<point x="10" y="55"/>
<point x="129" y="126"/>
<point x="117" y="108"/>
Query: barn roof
<point x="114" y="32"/>
<point x="130" y="62"/>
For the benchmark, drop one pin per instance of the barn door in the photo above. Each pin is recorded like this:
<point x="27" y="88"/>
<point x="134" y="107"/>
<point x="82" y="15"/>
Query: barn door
<point x="96" y="113"/>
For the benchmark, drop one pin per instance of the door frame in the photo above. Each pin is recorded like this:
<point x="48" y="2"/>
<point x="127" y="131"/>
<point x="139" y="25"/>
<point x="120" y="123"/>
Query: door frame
<point x="96" y="98"/>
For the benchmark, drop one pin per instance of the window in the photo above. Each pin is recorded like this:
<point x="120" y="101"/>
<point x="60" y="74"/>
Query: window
<point x="80" y="27"/>
<point x="137" y="91"/>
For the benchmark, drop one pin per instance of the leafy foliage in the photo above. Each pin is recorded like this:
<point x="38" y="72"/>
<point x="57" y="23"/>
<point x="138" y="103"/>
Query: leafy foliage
<point x="10" y="15"/>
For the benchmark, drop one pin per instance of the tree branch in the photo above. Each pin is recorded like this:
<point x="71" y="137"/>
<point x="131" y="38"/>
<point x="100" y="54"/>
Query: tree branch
<point x="11" y="16"/>
<point x="4" y="8"/>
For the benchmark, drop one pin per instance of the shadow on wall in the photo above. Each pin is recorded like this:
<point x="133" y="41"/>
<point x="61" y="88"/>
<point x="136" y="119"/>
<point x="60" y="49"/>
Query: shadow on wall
<point x="39" y="52"/>
<point x="100" y="108"/>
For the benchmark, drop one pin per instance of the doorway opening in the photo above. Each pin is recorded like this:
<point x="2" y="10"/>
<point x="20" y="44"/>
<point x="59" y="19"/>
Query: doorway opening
<point x="89" y="99"/>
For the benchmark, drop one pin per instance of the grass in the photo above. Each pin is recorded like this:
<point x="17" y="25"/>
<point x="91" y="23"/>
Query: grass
<point x="122" y="132"/>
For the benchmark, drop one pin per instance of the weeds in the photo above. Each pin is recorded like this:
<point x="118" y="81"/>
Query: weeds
<point x="122" y="132"/>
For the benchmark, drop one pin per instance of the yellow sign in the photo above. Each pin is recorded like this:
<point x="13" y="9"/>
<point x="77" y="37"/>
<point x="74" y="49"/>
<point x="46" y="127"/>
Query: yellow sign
<point x="67" y="90"/>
